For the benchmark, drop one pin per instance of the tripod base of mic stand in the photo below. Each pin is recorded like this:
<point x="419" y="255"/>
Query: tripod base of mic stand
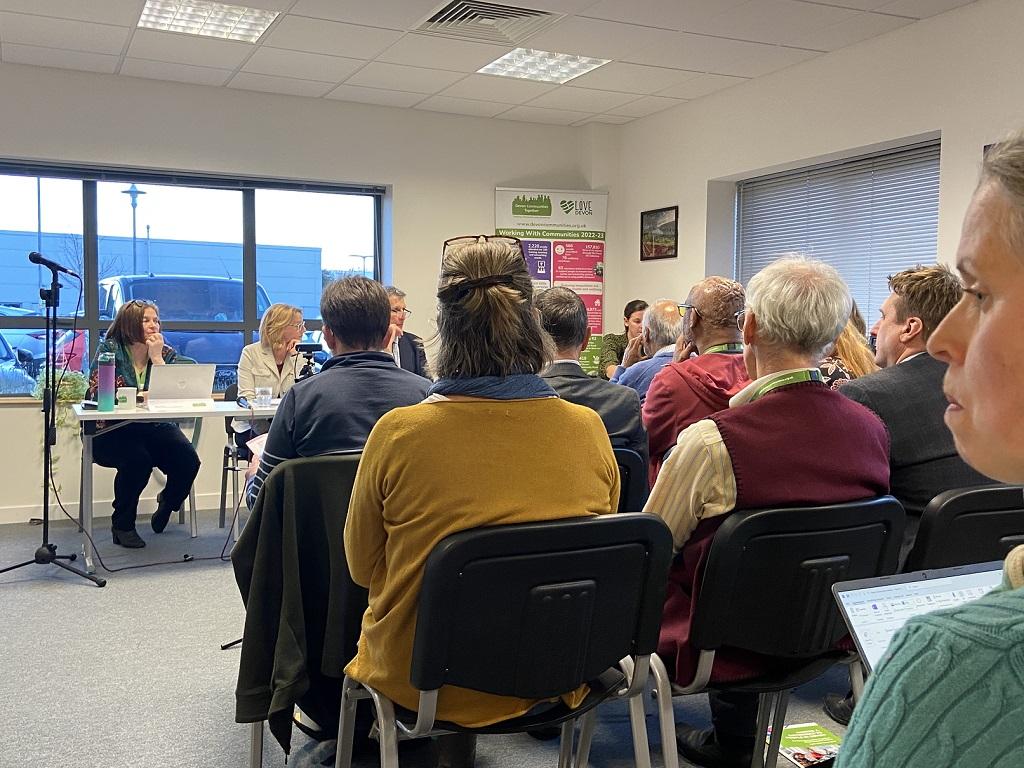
<point x="47" y="555"/>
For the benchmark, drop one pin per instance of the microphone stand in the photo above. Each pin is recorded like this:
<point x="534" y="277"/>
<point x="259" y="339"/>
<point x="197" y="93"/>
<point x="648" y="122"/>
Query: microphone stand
<point x="47" y="552"/>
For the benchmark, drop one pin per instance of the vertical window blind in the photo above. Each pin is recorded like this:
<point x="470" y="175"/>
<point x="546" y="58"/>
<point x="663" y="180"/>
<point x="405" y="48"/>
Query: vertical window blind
<point x="869" y="217"/>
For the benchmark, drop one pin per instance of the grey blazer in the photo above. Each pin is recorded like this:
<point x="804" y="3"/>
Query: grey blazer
<point x="922" y="458"/>
<point x="618" y="406"/>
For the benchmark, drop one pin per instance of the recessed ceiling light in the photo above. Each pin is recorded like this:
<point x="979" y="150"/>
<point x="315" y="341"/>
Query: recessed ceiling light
<point x="206" y="18"/>
<point x="527" y="64"/>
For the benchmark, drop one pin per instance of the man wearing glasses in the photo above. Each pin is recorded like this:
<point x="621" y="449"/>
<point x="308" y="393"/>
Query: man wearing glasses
<point x="407" y="348"/>
<point x="708" y="371"/>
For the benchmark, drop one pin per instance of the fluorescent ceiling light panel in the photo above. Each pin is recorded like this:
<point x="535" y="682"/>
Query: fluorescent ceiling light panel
<point x="543" y="66"/>
<point x="209" y="19"/>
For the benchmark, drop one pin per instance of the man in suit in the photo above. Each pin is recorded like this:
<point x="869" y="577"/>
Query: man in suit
<point x="564" y="317"/>
<point x="407" y="348"/>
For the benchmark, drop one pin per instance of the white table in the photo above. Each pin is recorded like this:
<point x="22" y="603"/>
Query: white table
<point x="90" y="428"/>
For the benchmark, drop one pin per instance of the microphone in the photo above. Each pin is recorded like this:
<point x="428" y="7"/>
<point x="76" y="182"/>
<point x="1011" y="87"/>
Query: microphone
<point x="38" y="258"/>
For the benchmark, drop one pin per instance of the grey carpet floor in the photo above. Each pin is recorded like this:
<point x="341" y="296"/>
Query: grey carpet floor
<point x="133" y="675"/>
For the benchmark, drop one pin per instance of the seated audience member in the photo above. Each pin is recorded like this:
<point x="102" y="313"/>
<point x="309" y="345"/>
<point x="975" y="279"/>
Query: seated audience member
<point x="850" y="358"/>
<point x="950" y="689"/>
<point x="451" y="463"/>
<point x="763" y="451"/>
<point x="613" y="345"/>
<point x="270" y="362"/>
<point x="694" y="387"/>
<point x="405" y="347"/>
<point x="564" y="317"/>
<point x="334" y="411"/>
<point x="652" y="350"/>
<point x="135" y="448"/>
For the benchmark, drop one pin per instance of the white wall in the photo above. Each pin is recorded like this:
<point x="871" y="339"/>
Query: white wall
<point x="958" y="74"/>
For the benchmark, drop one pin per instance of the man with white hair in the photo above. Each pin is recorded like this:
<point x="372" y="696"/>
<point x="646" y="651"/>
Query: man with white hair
<point x="662" y="326"/>
<point x="764" y="450"/>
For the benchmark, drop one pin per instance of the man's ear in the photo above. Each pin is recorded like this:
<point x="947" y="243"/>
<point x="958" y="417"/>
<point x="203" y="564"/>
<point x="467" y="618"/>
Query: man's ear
<point x="912" y="329"/>
<point x="586" y="338"/>
<point x="749" y="327"/>
<point x="329" y="338"/>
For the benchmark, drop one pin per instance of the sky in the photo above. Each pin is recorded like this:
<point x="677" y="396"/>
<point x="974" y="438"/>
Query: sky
<point x="340" y="225"/>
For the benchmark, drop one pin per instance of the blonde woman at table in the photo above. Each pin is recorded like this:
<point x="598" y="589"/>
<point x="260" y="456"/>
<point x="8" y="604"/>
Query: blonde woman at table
<point x="135" y="448"/>
<point x="271" y="362"/>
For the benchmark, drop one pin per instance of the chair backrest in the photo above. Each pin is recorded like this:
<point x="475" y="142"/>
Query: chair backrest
<point x="230" y="396"/>
<point x="632" y="479"/>
<point x="767" y="583"/>
<point x="969" y="525"/>
<point x="536" y="609"/>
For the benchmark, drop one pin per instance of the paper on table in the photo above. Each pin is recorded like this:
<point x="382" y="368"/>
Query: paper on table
<point x="256" y="444"/>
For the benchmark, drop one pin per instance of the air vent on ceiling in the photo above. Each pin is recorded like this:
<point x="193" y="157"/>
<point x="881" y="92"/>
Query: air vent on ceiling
<point x="487" y="22"/>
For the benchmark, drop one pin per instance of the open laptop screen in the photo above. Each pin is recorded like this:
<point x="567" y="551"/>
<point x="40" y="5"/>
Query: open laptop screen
<point x="875" y="608"/>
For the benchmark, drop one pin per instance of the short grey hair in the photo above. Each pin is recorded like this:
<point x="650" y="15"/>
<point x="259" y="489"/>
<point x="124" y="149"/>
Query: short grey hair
<point x="800" y="303"/>
<point x="1004" y="165"/>
<point x="391" y="290"/>
<point x="664" y="327"/>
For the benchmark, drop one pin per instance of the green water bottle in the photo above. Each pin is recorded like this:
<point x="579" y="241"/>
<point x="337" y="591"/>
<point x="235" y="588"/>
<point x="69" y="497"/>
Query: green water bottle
<point x="105" y="388"/>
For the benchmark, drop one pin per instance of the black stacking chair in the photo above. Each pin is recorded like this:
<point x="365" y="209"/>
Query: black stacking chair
<point x="632" y="480"/>
<point x="532" y="610"/>
<point x="232" y="455"/>
<point x="969" y="525"/>
<point x="767" y="589"/>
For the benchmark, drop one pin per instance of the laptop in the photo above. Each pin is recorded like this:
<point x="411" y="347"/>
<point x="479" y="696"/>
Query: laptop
<point x="875" y="608"/>
<point x="181" y="387"/>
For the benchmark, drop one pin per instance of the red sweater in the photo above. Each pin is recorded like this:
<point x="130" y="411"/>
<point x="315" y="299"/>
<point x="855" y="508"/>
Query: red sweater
<point x="686" y="392"/>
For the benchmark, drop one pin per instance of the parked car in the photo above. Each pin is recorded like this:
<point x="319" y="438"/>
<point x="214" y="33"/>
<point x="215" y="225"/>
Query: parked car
<point x="72" y="351"/>
<point x="190" y="298"/>
<point x="32" y="341"/>
<point x="14" y="380"/>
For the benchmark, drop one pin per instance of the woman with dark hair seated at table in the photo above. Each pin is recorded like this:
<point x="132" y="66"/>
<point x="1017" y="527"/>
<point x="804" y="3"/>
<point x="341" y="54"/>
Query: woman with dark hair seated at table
<point x="135" y="448"/>
<point x="451" y="462"/>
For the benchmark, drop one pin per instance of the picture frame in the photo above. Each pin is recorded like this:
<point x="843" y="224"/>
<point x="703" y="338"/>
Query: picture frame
<point x="659" y="233"/>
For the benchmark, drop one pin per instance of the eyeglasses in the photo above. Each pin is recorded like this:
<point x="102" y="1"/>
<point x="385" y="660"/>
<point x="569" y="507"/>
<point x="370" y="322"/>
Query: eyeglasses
<point x="684" y="307"/>
<point x="299" y="326"/>
<point x="140" y="303"/>
<point x="397" y="311"/>
<point x="455" y="242"/>
<point x="740" y="315"/>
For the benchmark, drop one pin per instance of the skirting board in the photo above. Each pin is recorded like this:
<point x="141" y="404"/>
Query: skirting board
<point x="100" y="508"/>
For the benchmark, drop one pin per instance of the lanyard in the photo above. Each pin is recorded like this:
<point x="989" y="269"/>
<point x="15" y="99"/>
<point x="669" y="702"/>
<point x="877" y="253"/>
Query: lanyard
<point x="731" y="348"/>
<point x="794" y="377"/>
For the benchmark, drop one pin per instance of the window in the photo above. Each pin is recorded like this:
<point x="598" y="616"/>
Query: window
<point x="868" y="217"/>
<point x="212" y="253"/>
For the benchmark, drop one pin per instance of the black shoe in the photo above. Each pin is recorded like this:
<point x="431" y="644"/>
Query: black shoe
<point x="701" y="747"/>
<point x="129" y="539"/>
<point x="160" y="517"/>
<point x="838" y="707"/>
<point x="546" y="734"/>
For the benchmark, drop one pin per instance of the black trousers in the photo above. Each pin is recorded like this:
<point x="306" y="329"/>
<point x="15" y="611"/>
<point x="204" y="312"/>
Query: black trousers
<point x="734" y="716"/>
<point x="134" y="450"/>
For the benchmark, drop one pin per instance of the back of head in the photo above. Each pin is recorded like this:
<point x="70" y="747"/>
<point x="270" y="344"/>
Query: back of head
<point x="357" y="311"/>
<point x="718" y="299"/>
<point x="925" y="292"/>
<point x="800" y="304"/>
<point x="564" y="317"/>
<point x="1004" y="166"/>
<point x="486" y="322"/>
<point x="274" y="322"/>
<point x="663" y="324"/>
<point x="636" y="305"/>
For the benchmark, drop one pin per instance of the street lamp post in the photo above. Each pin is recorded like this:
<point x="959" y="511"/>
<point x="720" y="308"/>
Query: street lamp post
<point x="133" y="192"/>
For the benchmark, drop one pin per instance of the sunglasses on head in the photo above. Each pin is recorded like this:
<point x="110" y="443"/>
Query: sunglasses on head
<point x="455" y="242"/>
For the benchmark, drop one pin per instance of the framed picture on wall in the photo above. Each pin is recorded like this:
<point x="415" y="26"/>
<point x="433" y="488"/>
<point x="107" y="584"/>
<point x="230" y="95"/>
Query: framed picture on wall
<point x="659" y="233"/>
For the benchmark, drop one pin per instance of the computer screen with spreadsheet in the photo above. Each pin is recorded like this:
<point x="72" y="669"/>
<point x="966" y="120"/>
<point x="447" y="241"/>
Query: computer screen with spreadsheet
<point x="875" y="608"/>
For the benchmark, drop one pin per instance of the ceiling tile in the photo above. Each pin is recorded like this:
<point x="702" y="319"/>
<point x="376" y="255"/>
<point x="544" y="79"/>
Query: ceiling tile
<point x="599" y="39"/>
<point x="301" y="65"/>
<point x="581" y="99"/>
<point x="179" y="73"/>
<point x="554" y="6"/>
<point x="442" y="53"/>
<point x="667" y="14"/>
<point x="123" y="13"/>
<point x="698" y="53"/>
<point x="54" y="57"/>
<point x="463" y="106"/>
<point x="860" y="5"/>
<point x="393" y="15"/>
<point x="252" y="82"/>
<point x="375" y="96"/>
<point x="701" y="85"/>
<point x="61" y="33"/>
<point x="777" y="22"/>
<point x="645" y="106"/>
<point x="607" y="120"/>
<point x="922" y="9"/>
<point x="863" y="27"/>
<point x="400" y="78"/>
<point x="632" y="78"/>
<point x="317" y="36"/>
<point x="507" y="90"/>
<point x="187" y="49"/>
<point x="539" y="115"/>
<point x="767" y="59"/>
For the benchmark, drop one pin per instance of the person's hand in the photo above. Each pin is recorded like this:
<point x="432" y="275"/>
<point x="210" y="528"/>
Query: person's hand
<point x="289" y="348"/>
<point x="394" y="334"/>
<point x="684" y="350"/>
<point x="155" y="347"/>
<point x="634" y="352"/>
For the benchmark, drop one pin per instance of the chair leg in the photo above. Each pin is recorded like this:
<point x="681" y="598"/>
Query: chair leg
<point x="565" y="744"/>
<point x="771" y="711"/>
<point x="346" y="725"/>
<point x="193" y="513"/>
<point x="223" y="491"/>
<point x="235" y="502"/>
<point x="857" y="679"/>
<point x="638" y="724"/>
<point x="587" y="724"/>
<point x="256" y="745"/>
<point x="388" y="733"/>
<point x="666" y="717"/>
